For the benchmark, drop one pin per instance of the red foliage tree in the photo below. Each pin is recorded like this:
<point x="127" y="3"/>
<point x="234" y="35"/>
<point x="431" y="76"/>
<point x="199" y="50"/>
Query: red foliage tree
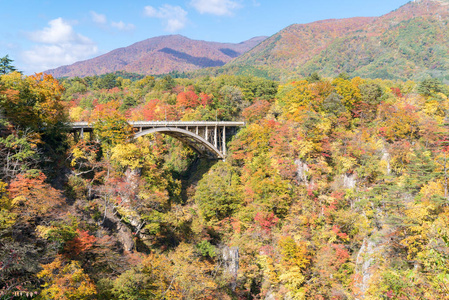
<point x="32" y="196"/>
<point x="79" y="244"/>
<point x="187" y="100"/>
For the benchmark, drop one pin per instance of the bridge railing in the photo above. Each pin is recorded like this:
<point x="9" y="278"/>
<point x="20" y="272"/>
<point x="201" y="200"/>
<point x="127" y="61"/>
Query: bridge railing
<point x="167" y="123"/>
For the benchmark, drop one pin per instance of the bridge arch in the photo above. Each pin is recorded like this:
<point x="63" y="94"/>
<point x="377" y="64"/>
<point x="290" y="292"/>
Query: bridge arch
<point x="194" y="141"/>
<point x="205" y="137"/>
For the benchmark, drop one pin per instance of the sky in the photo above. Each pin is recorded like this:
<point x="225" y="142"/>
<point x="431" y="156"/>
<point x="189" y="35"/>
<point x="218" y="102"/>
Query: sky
<point x="40" y="35"/>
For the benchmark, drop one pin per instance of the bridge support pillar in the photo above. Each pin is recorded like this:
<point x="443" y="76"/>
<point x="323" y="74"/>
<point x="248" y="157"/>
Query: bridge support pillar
<point x="224" y="141"/>
<point x="215" y="137"/>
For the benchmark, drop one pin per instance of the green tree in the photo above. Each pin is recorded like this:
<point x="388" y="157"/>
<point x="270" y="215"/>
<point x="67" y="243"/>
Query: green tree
<point x="430" y="86"/>
<point x="371" y="93"/>
<point x="217" y="194"/>
<point x="107" y="81"/>
<point x="6" y="66"/>
<point x="165" y="84"/>
<point x="314" y="77"/>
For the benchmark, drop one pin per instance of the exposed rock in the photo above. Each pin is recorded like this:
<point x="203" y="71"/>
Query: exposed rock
<point x="230" y="257"/>
<point x="270" y="296"/>
<point x="132" y="178"/>
<point x="386" y="158"/>
<point x="349" y="180"/>
<point x="124" y="234"/>
<point x="366" y="264"/>
<point x="125" y="237"/>
<point x="363" y="263"/>
<point x="302" y="172"/>
<point x="346" y="181"/>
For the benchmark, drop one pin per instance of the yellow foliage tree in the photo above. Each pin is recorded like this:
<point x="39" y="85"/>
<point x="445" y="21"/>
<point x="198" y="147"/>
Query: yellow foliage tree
<point x="349" y="90"/>
<point x="65" y="280"/>
<point x="130" y="155"/>
<point x="293" y="263"/>
<point x="7" y="218"/>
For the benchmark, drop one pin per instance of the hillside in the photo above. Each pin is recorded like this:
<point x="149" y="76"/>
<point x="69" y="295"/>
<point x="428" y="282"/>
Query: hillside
<point x="334" y="189"/>
<point x="159" y="55"/>
<point x="408" y="43"/>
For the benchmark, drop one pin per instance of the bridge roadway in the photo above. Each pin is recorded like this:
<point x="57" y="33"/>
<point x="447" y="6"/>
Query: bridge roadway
<point x="207" y="138"/>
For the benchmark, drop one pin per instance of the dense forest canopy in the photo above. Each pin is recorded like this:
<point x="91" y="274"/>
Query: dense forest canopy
<point x="335" y="189"/>
<point x="409" y="43"/>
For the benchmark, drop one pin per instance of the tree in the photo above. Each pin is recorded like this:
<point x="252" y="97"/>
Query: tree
<point x="66" y="280"/>
<point x="256" y="111"/>
<point x="110" y="126"/>
<point x="430" y="86"/>
<point x="7" y="219"/>
<point x="107" y="81"/>
<point x="188" y="99"/>
<point x="349" y="90"/>
<point x="217" y="194"/>
<point x="371" y="93"/>
<point x="17" y="154"/>
<point x="333" y="104"/>
<point x="5" y="65"/>
<point x="32" y="197"/>
<point x="231" y="101"/>
<point x="165" y="84"/>
<point x="19" y="102"/>
<point x="293" y="263"/>
<point x="314" y="77"/>
<point x="33" y="103"/>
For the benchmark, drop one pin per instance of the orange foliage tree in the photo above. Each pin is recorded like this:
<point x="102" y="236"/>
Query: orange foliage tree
<point x="32" y="196"/>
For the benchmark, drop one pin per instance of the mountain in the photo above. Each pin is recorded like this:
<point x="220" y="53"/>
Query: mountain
<point x="411" y="42"/>
<point x="159" y="55"/>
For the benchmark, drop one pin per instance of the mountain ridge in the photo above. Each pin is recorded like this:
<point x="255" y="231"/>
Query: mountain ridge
<point x="159" y="55"/>
<point x="410" y="42"/>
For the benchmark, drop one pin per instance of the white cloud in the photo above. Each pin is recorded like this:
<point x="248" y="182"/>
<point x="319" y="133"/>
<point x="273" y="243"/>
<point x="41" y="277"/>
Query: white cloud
<point x="150" y="11"/>
<point x="102" y="20"/>
<point x="122" y="26"/>
<point x="60" y="31"/>
<point x="173" y="17"/>
<point x="215" y="7"/>
<point x="98" y="18"/>
<point x="57" y="45"/>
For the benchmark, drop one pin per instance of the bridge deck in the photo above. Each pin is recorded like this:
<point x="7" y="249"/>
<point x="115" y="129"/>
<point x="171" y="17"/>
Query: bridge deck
<point x="152" y="124"/>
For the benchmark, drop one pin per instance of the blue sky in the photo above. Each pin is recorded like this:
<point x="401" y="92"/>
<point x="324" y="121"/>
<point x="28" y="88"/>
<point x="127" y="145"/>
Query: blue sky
<point x="39" y="35"/>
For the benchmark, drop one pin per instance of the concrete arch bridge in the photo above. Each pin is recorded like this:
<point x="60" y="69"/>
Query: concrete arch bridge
<point x="208" y="139"/>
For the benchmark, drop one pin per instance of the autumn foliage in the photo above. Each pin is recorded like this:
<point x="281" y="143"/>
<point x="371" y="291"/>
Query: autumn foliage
<point x="336" y="188"/>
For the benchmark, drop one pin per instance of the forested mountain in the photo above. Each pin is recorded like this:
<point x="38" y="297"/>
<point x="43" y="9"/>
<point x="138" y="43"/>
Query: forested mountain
<point x="408" y="43"/>
<point x="411" y="42"/>
<point x="159" y="55"/>
<point x="336" y="188"/>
